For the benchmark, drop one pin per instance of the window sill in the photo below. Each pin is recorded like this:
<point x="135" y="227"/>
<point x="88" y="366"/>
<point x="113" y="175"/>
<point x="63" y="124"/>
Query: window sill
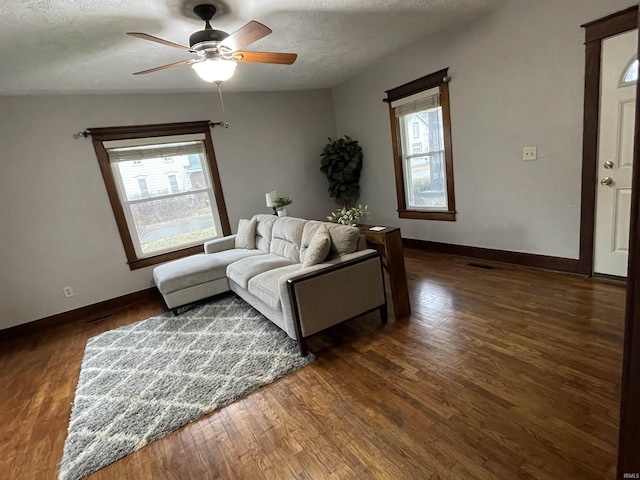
<point x="164" y="257"/>
<point x="422" y="215"/>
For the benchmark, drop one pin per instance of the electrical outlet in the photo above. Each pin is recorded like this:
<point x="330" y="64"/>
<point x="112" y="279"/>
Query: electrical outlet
<point x="68" y="292"/>
<point x="529" y="153"/>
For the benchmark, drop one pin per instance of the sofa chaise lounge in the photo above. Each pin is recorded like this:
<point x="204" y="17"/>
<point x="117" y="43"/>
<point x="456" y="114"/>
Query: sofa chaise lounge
<point x="303" y="275"/>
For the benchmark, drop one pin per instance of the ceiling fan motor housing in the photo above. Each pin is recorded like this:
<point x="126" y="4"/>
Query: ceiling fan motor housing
<point x="206" y="13"/>
<point x="207" y="35"/>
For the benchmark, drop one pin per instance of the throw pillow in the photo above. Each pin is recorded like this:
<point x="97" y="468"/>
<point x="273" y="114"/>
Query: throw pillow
<point x="318" y="247"/>
<point x="344" y="239"/>
<point x="246" y="236"/>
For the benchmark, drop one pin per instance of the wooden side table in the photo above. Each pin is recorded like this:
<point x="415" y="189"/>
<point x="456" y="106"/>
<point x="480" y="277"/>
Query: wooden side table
<point x="389" y="243"/>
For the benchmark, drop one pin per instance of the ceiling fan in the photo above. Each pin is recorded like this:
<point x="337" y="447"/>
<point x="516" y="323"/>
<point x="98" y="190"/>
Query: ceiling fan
<point x="217" y="52"/>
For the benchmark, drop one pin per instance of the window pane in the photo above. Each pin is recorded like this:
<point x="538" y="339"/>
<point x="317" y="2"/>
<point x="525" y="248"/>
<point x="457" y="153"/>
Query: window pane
<point x="425" y="182"/>
<point x="631" y="75"/>
<point x="169" y="223"/>
<point x="154" y="177"/>
<point x="430" y="136"/>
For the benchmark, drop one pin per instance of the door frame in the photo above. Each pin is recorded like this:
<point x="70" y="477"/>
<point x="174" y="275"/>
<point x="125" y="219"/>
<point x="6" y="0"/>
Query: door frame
<point x="629" y="423"/>
<point x="595" y="33"/>
<point x="629" y="432"/>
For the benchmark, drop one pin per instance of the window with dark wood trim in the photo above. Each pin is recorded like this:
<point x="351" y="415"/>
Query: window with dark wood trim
<point x="424" y="177"/>
<point x="160" y="221"/>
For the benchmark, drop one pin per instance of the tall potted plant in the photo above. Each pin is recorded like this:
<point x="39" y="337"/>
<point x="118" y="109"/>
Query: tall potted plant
<point x="342" y="163"/>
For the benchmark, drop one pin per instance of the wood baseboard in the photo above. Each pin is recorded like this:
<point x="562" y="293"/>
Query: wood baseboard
<point x="560" y="264"/>
<point x="88" y="313"/>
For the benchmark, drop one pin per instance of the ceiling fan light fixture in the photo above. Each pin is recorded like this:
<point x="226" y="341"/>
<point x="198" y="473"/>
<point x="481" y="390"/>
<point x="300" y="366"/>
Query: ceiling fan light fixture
<point x="215" y="69"/>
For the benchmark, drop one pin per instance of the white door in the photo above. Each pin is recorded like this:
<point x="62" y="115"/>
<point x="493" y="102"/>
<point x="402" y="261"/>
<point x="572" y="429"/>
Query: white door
<point x="615" y="154"/>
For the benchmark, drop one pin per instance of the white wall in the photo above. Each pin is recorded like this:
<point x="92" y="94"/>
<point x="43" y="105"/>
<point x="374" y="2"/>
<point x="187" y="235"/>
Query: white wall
<point x="517" y="80"/>
<point x="56" y="225"/>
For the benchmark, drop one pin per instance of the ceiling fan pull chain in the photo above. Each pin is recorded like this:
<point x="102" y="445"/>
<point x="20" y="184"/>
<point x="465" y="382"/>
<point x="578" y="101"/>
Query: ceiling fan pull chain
<point x="224" y="113"/>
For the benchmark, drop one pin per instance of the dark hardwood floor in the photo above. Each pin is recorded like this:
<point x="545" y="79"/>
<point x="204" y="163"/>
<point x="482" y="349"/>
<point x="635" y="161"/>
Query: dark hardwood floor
<point x="503" y="373"/>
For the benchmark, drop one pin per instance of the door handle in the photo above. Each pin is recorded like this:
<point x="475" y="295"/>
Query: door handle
<point x="606" y="181"/>
<point x="608" y="164"/>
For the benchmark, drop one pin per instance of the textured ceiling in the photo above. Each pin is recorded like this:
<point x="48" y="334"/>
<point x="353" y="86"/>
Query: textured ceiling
<point x="80" y="46"/>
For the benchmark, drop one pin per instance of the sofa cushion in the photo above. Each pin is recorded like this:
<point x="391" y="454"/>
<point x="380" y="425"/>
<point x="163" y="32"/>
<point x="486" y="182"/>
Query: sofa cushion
<point x="265" y="286"/>
<point x="344" y="238"/>
<point x="264" y="228"/>
<point x="244" y="270"/>
<point x="246" y="236"/>
<point x="196" y="269"/>
<point x="287" y="237"/>
<point x="318" y="248"/>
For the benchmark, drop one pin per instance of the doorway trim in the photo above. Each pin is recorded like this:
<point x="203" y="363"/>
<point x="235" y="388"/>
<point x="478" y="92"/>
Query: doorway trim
<point x="595" y="32"/>
<point x="629" y="434"/>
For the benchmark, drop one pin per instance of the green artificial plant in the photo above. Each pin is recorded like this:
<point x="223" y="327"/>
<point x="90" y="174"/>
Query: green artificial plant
<point x="282" y="202"/>
<point x="349" y="216"/>
<point x="342" y="164"/>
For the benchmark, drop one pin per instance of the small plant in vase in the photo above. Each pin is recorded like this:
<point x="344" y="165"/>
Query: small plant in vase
<point x="279" y="205"/>
<point x="350" y="216"/>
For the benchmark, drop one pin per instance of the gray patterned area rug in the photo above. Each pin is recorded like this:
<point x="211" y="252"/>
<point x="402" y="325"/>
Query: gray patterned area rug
<point x="140" y="382"/>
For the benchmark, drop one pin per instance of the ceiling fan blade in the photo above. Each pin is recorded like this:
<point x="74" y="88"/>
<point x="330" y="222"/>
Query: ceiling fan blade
<point x="246" y="35"/>
<point x="265" y="57"/>
<point x="146" y="36"/>
<point x="171" y="65"/>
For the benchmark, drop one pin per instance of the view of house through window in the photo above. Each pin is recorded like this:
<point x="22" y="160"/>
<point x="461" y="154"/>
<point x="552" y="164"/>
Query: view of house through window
<point x="165" y="209"/>
<point x="421" y="135"/>
<point x="163" y="187"/>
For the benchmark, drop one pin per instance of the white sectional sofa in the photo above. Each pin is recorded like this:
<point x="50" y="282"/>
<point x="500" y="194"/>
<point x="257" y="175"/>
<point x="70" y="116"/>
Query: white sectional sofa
<point x="275" y="276"/>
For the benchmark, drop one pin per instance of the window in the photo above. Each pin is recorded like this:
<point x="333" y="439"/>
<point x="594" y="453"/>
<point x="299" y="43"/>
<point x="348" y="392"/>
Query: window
<point x="143" y="187"/>
<point x="630" y="75"/>
<point x="424" y="170"/>
<point x="173" y="182"/>
<point x="162" y="215"/>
